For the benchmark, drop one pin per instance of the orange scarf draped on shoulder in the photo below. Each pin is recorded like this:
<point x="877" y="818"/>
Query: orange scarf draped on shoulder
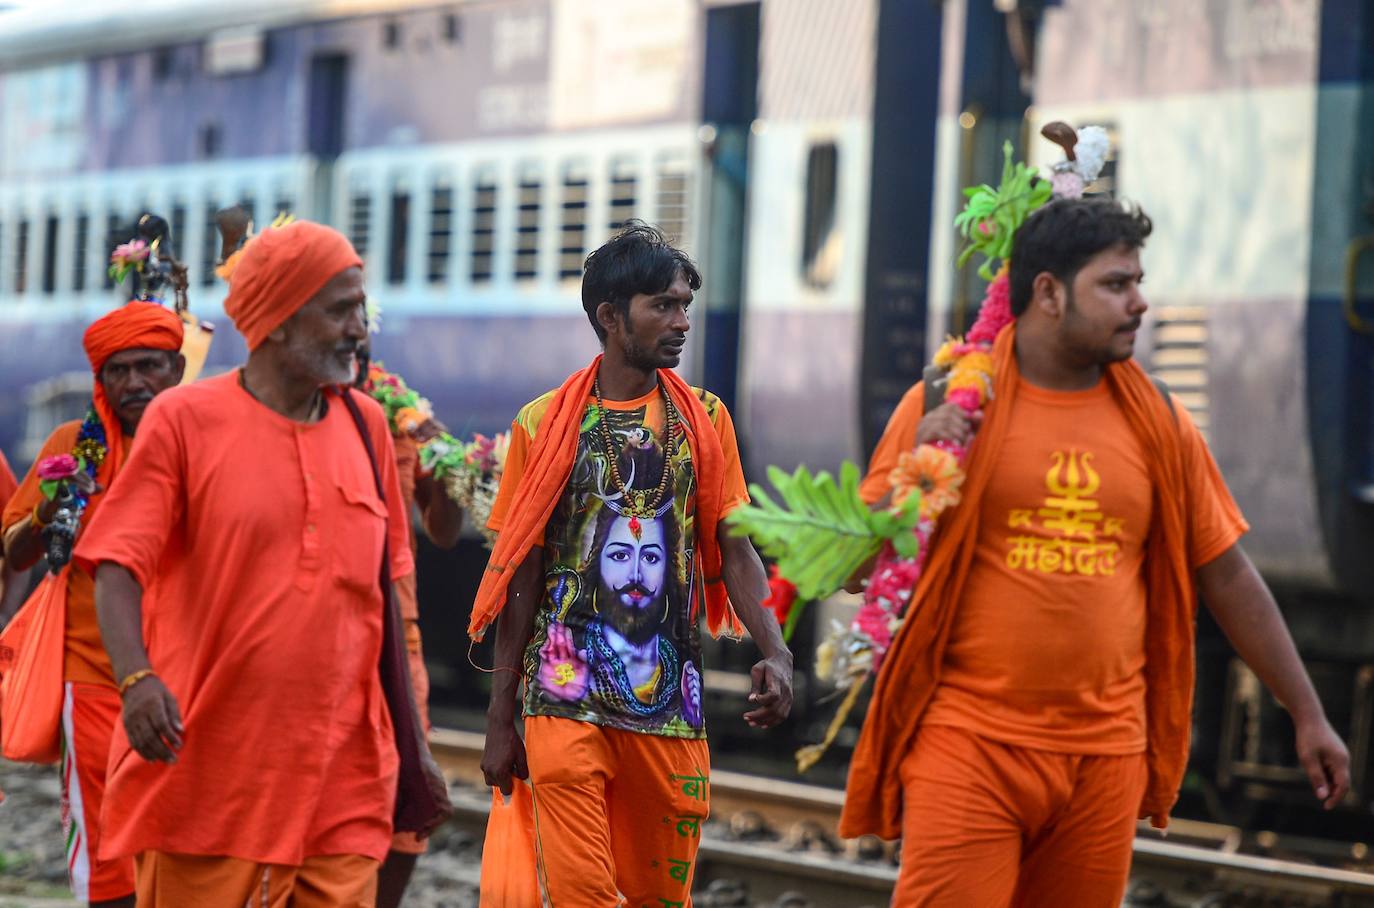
<point x="911" y="669"/>
<point x="545" y="478"/>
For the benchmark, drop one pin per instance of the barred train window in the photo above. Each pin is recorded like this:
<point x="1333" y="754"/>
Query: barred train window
<point x="82" y="239"/>
<point x="209" y="245"/>
<point x="398" y="236"/>
<point x="440" y="231"/>
<point x="483" y="227"/>
<point x="21" y="257"/>
<point x="50" y="255"/>
<point x="359" y="221"/>
<point x="670" y="211"/>
<point x="622" y="202"/>
<point x="572" y="237"/>
<point x="527" y="226"/>
<point x="178" y="230"/>
<point x="820" y="236"/>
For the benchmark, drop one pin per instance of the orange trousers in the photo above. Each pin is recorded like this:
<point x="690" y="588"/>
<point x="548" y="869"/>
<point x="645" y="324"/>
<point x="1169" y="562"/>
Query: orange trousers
<point x="617" y="815"/>
<point x="89" y="715"/>
<point x="168" y="880"/>
<point x="987" y="825"/>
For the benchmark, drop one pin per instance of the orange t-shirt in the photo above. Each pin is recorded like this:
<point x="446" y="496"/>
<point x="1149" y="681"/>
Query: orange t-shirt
<point x="85" y="661"/>
<point x="1047" y="650"/>
<point x="258" y="544"/>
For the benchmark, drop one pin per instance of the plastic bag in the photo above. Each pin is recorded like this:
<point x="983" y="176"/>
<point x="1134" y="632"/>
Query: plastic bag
<point x="510" y="877"/>
<point x="31" y="673"/>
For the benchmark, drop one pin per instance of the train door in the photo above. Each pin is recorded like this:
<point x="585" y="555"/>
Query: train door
<point x="325" y="126"/>
<point x="729" y="105"/>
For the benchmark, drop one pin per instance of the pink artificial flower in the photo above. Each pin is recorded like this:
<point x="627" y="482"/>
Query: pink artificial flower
<point x="132" y="251"/>
<point x="57" y="467"/>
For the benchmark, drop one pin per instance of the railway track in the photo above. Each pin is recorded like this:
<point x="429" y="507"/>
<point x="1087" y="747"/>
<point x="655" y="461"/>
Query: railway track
<point x="770" y="842"/>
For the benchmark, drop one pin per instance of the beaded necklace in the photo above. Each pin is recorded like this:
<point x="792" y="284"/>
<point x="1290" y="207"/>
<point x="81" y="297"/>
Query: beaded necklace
<point x="637" y="502"/>
<point x="90" y="449"/>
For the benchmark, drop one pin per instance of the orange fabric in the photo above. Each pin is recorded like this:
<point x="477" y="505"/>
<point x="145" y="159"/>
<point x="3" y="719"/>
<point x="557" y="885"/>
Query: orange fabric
<point x="281" y="269"/>
<point x="898" y="438"/>
<point x="1060" y="550"/>
<point x="86" y="661"/>
<point x="263" y="616"/>
<point x="513" y="882"/>
<point x="134" y="326"/>
<point x="912" y="669"/>
<point x="614" y="812"/>
<point x="526" y="500"/>
<point x="8" y="484"/>
<point x="174" y="880"/>
<point x="90" y="713"/>
<point x="993" y="825"/>
<point x="31" y="687"/>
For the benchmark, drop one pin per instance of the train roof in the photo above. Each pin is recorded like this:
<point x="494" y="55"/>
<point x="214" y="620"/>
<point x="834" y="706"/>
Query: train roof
<point x="31" y="35"/>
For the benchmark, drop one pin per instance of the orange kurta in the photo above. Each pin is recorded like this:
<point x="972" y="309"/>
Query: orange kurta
<point x="85" y="661"/>
<point x="258" y="543"/>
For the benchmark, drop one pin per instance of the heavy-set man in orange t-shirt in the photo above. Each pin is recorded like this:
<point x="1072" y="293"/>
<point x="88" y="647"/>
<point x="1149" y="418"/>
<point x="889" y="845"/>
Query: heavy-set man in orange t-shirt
<point x="611" y="546"/>
<point x="1060" y="622"/>
<point x="134" y="353"/>
<point x="238" y="569"/>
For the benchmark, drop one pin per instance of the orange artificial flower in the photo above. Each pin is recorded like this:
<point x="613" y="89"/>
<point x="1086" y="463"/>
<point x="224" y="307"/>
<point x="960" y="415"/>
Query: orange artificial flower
<point x="931" y="471"/>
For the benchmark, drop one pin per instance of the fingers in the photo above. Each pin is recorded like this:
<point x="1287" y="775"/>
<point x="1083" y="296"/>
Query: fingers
<point x="757" y="676"/>
<point x="1316" y="774"/>
<point x="1337" y="767"/>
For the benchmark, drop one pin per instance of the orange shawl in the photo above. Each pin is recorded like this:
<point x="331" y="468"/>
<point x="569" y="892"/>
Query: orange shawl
<point x="546" y="476"/>
<point x="911" y="669"/>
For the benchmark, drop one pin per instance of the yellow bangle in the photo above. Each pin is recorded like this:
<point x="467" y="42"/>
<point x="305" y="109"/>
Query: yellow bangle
<point x="38" y="523"/>
<point x="133" y="679"/>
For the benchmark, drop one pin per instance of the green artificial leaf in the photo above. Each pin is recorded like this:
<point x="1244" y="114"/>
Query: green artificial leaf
<point x="49" y="487"/>
<point x="819" y="534"/>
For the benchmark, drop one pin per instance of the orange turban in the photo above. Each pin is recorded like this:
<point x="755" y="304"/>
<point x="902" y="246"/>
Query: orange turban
<point x="281" y="269"/>
<point x="134" y="326"/>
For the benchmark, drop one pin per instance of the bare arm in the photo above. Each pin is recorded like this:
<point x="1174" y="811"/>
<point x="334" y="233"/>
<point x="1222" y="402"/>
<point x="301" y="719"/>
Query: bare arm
<point x="1245" y="609"/>
<point x="503" y="757"/>
<point x="747" y="583"/>
<point x="151" y="716"/>
<point x="433" y="774"/>
<point x="440" y="514"/>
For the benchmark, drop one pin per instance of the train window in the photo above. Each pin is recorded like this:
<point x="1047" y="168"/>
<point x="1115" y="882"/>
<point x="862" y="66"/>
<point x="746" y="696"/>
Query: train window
<point x="453" y="28"/>
<point x="178" y="230"/>
<point x="209" y="245"/>
<point x="527" y="226"/>
<point x="820" y="238"/>
<point x="163" y="61"/>
<point x="483" y="227"/>
<point x="670" y="210"/>
<point x="79" y="246"/>
<point x="399" y="237"/>
<point x="440" y="231"/>
<point x="622" y="202"/>
<point x="21" y="257"/>
<point x="50" y="255"/>
<point x="112" y="222"/>
<point x="572" y="243"/>
<point x="208" y="138"/>
<point x="359" y="221"/>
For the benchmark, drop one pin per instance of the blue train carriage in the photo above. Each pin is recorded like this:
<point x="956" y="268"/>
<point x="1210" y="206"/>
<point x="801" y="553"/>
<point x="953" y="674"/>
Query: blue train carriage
<point x="1246" y="131"/>
<point x="475" y="152"/>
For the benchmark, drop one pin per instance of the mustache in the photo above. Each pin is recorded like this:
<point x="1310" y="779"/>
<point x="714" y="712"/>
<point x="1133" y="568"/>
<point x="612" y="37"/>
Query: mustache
<point x="634" y="588"/>
<point x="138" y="397"/>
<point x="1132" y="325"/>
<point x="349" y="347"/>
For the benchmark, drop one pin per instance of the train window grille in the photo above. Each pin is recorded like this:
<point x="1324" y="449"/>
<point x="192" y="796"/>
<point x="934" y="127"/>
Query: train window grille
<point x="178" y="231"/>
<point x="209" y="245"/>
<point x="670" y="210"/>
<point x="572" y="232"/>
<point x="283" y="205"/>
<point x="440" y="232"/>
<point x="398" y="237"/>
<point x="359" y="221"/>
<point x="484" y="195"/>
<point x="80" y="245"/>
<point x="820" y="236"/>
<point x="250" y="205"/>
<point x="453" y="28"/>
<point x="50" y="233"/>
<point x="1178" y="357"/>
<point x="527" y="227"/>
<point x="622" y="201"/>
<point x="391" y="34"/>
<point x="21" y="257"/>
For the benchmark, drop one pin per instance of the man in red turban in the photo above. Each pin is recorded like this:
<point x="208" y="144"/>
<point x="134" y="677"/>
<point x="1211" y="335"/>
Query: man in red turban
<point x="134" y="353"/>
<point x="258" y="755"/>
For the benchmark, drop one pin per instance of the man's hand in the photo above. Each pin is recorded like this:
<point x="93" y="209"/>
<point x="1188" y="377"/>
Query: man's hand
<point x="1324" y="756"/>
<point x="84" y="483"/>
<point x="152" y="720"/>
<point x="772" y="694"/>
<point x="503" y="756"/>
<point x="439" y="787"/>
<point x="948" y="422"/>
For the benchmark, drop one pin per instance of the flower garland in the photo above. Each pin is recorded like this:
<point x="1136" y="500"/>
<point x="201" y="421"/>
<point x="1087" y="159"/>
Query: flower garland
<point x="88" y="453"/>
<point x="470" y="473"/>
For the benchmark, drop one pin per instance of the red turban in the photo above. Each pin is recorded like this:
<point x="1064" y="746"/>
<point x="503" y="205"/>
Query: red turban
<point x="134" y="326"/>
<point x="281" y="269"/>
